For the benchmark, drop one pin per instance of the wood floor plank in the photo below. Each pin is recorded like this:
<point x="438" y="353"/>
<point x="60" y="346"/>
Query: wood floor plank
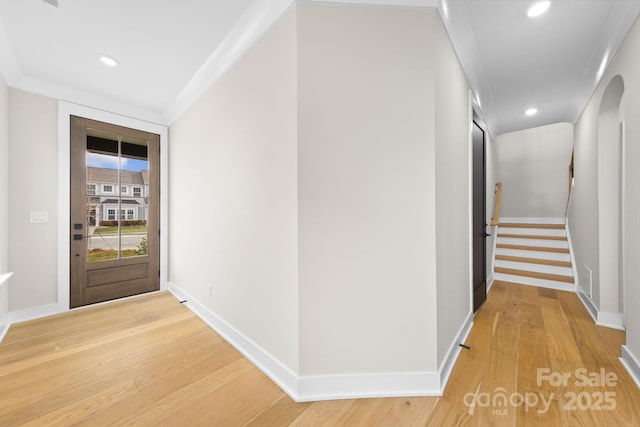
<point x="62" y="381"/>
<point x="533" y="248"/>
<point x="86" y="407"/>
<point x="283" y="412"/>
<point x="92" y="318"/>
<point x="388" y="412"/>
<point x="150" y="361"/>
<point x="325" y="413"/>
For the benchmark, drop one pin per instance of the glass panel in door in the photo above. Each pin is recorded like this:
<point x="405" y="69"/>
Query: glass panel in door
<point x="116" y="196"/>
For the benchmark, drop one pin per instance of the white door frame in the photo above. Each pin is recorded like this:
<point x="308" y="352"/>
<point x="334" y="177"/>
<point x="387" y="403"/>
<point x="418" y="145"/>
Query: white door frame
<point x="621" y="228"/>
<point x="65" y="110"/>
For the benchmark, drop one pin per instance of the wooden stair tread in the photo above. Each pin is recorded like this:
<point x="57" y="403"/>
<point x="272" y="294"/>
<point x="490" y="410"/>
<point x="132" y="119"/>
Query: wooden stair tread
<point x="532" y="236"/>
<point x="533" y="248"/>
<point x="535" y="275"/>
<point x="534" y="260"/>
<point x="516" y="225"/>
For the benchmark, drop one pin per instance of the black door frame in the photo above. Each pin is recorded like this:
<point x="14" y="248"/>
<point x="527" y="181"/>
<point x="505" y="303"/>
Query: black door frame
<point x="479" y="235"/>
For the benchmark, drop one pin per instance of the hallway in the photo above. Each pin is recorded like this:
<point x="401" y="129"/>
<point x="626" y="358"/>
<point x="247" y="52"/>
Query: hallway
<point x="151" y="361"/>
<point x="314" y="164"/>
<point x="523" y="339"/>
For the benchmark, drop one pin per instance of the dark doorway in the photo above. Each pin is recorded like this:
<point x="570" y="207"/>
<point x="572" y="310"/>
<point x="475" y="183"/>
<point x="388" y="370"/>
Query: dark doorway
<point x="479" y="218"/>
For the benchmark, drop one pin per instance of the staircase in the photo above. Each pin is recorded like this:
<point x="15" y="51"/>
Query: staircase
<point x="534" y="254"/>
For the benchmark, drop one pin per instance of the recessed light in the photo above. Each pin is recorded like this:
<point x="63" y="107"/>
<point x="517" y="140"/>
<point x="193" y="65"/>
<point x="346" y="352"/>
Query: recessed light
<point x="531" y="112"/>
<point x="538" y="9"/>
<point x="445" y="8"/>
<point x="107" y="60"/>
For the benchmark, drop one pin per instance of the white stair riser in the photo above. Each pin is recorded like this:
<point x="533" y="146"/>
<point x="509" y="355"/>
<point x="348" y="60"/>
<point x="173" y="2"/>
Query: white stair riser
<point x="530" y="220"/>
<point x="534" y="254"/>
<point x="533" y="231"/>
<point x="538" y="268"/>
<point x="534" y="242"/>
<point x="551" y="284"/>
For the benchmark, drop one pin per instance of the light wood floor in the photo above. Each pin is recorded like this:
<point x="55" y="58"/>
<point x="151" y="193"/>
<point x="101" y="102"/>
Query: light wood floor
<point x="150" y="361"/>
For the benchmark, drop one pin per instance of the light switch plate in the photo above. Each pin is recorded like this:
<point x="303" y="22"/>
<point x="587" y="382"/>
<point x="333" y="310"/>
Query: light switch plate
<point x="39" y="216"/>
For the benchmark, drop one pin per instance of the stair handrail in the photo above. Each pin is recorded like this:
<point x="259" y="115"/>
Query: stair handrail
<point x="498" y="198"/>
<point x="571" y="175"/>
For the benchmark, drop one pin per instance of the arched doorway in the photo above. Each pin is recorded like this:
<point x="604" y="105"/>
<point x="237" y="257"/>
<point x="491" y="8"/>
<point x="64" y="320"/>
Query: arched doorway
<point x="610" y="205"/>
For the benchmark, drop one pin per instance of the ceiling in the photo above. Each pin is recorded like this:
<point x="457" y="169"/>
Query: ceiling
<point x="169" y="52"/>
<point x="552" y="62"/>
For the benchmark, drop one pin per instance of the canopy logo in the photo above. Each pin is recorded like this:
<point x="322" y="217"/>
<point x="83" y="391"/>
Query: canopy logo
<point x="499" y="401"/>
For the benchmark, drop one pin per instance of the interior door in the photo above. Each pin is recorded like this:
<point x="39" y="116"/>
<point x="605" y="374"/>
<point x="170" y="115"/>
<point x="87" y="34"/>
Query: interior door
<point x="115" y="212"/>
<point x="479" y="218"/>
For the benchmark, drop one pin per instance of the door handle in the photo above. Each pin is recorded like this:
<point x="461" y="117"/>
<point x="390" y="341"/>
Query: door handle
<point x="486" y="234"/>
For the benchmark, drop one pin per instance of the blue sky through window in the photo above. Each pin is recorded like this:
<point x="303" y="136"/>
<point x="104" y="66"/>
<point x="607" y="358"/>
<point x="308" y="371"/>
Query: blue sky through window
<point x="111" y="162"/>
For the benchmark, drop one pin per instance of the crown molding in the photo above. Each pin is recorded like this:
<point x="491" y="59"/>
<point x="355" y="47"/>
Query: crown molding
<point x="392" y="3"/>
<point x="257" y="19"/>
<point x="260" y="16"/>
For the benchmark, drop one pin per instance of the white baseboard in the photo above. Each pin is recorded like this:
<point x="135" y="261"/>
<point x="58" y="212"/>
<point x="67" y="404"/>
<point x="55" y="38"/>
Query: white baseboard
<point x="358" y="386"/>
<point x="449" y="361"/>
<point x="588" y="304"/>
<point x="271" y="367"/>
<point x="5" y="324"/>
<point x="576" y="278"/>
<point x="33" y="313"/>
<point x="532" y="220"/>
<point x="331" y="387"/>
<point x="25" y="315"/>
<point x="402" y="384"/>
<point x="601" y="318"/>
<point x="631" y="363"/>
<point x="611" y="320"/>
<point x="490" y="280"/>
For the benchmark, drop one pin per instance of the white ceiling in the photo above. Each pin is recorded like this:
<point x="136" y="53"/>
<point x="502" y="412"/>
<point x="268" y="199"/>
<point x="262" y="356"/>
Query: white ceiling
<point x="551" y="62"/>
<point x="169" y="52"/>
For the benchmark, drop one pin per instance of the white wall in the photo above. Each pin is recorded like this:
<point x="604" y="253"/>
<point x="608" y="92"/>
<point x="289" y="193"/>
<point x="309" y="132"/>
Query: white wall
<point x="4" y="198"/>
<point x="233" y="186"/>
<point x="452" y="155"/>
<point x="304" y="189"/>
<point x="34" y="252"/>
<point x="627" y="64"/>
<point x="367" y="190"/>
<point x="609" y="167"/>
<point x="584" y="212"/>
<point x="492" y="170"/>
<point x="33" y="185"/>
<point x="317" y="153"/>
<point x="534" y="167"/>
